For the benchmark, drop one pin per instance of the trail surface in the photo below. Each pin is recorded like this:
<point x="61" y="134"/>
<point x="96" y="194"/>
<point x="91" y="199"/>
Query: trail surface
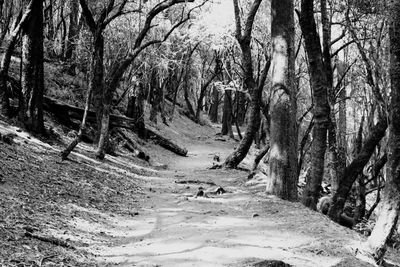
<point x="238" y="228"/>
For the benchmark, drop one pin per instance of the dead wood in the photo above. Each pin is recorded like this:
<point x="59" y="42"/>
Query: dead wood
<point x="49" y="239"/>
<point x="194" y="182"/>
<point x="65" y="113"/>
<point x="165" y="142"/>
<point x="132" y="145"/>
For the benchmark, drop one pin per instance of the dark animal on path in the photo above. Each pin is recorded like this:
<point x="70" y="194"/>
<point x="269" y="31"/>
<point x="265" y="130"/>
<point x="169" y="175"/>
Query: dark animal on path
<point x="216" y="158"/>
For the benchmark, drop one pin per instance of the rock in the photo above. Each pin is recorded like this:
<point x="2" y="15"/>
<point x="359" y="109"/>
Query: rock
<point x="200" y="193"/>
<point x="8" y="138"/>
<point x="271" y="263"/>
<point x="220" y="191"/>
<point x="255" y="215"/>
<point x="72" y="134"/>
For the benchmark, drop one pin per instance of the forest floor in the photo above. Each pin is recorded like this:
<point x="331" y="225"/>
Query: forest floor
<point x="127" y="212"/>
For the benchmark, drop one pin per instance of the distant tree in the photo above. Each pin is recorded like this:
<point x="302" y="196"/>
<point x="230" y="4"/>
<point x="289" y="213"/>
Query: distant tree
<point x="282" y="179"/>
<point x="73" y="29"/>
<point x="31" y="98"/>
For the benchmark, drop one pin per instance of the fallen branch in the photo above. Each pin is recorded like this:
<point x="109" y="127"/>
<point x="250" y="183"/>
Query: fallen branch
<point x="131" y="145"/>
<point x="165" y="143"/>
<point x="194" y="182"/>
<point x="49" y="239"/>
<point x="65" y="112"/>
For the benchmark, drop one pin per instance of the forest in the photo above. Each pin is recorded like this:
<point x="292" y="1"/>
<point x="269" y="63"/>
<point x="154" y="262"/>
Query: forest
<point x="199" y="133"/>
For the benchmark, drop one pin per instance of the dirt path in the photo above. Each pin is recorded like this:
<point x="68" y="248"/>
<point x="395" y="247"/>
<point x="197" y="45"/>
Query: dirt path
<point x="127" y="214"/>
<point x="238" y="228"/>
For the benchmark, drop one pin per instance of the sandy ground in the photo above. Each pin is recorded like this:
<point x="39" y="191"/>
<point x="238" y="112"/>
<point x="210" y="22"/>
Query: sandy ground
<point x="239" y="228"/>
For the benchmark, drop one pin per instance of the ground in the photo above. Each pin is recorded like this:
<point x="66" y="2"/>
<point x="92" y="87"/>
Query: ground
<point x="127" y="212"/>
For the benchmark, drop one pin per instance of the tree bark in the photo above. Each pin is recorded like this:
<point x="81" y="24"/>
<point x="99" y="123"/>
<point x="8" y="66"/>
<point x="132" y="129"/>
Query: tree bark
<point x="319" y="86"/>
<point x="135" y="109"/>
<point x="282" y="180"/>
<point x="65" y="153"/>
<point x="213" y="113"/>
<point x="73" y="29"/>
<point x="31" y="99"/>
<point x="240" y="108"/>
<point x="387" y="220"/>
<point x="355" y="168"/>
<point x="255" y="91"/>
<point x="227" y="114"/>
<point x="6" y="60"/>
<point x="359" y="210"/>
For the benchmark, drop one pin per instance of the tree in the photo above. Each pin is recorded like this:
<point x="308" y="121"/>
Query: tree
<point x="255" y="90"/>
<point x="20" y="21"/>
<point x="117" y="71"/>
<point x="73" y="29"/>
<point x="387" y="220"/>
<point x="321" y="110"/>
<point x="31" y="99"/>
<point x="282" y="180"/>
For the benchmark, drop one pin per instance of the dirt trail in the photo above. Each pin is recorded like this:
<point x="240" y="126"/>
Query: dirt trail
<point x="238" y="228"/>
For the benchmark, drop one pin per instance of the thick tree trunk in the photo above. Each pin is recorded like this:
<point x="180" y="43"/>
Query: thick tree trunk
<point x="282" y="180"/>
<point x="31" y="100"/>
<point x="355" y="168"/>
<point x="240" y="108"/>
<point x="387" y="221"/>
<point x="96" y="80"/>
<point x="319" y="86"/>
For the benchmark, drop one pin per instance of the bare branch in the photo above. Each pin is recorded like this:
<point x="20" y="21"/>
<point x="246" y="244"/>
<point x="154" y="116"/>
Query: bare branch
<point x="238" y="22"/>
<point x="87" y="14"/>
<point x="250" y="20"/>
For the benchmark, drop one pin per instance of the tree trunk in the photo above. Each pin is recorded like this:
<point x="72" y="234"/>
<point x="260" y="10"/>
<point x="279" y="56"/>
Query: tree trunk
<point x="254" y="89"/>
<point x="6" y="13"/>
<point x="240" y="107"/>
<point x="6" y="60"/>
<point x="387" y="221"/>
<point x="319" y="86"/>
<point x="227" y="114"/>
<point x="156" y="95"/>
<point x="359" y="210"/>
<point x="282" y="180"/>
<point x="31" y="100"/>
<point x="96" y="80"/>
<point x="355" y="168"/>
<point x="48" y="20"/>
<point x="65" y="153"/>
<point x="73" y="29"/>
<point x="213" y="113"/>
